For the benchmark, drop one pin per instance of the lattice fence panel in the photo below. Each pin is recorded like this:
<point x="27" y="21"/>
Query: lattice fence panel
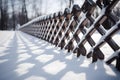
<point x="75" y="28"/>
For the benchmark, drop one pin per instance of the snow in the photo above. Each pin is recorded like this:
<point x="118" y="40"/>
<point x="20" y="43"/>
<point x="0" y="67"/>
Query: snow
<point x="24" y="57"/>
<point x="67" y="28"/>
<point x="50" y="29"/>
<point x="83" y="18"/>
<point x="104" y="36"/>
<point x="54" y="30"/>
<point x="91" y="27"/>
<point x="32" y="21"/>
<point x="59" y="29"/>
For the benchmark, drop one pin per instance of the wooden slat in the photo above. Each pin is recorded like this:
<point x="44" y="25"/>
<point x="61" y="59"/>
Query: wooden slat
<point x="63" y="30"/>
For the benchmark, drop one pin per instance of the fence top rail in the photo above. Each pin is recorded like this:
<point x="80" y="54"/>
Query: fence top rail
<point x="51" y="16"/>
<point x="33" y="21"/>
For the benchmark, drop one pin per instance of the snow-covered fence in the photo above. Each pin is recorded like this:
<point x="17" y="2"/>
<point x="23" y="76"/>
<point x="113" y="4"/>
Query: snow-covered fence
<point x="74" y="28"/>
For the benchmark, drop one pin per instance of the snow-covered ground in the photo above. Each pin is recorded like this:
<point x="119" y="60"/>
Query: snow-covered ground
<point x="24" y="57"/>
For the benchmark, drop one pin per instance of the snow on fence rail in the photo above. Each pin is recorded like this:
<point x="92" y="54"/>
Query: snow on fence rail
<point x="71" y="30"/>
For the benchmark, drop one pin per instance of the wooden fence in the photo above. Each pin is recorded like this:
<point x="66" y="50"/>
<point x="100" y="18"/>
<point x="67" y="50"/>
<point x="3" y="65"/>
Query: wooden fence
<point x="74" y="28"/>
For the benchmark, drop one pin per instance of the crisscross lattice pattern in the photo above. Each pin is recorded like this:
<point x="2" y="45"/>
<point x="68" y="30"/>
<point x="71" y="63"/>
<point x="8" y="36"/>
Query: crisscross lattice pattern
<point x="71" y="30"/>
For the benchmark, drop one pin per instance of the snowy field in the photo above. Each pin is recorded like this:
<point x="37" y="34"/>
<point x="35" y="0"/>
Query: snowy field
<point x="24" y="57"/>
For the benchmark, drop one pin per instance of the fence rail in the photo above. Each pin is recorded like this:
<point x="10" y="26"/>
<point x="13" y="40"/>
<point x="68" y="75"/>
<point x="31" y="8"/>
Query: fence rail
<point x="74" y="28"/>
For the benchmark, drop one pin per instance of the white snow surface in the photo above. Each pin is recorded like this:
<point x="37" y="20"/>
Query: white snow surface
<point x="32" y="21"/>
<point x="24" y="57"/>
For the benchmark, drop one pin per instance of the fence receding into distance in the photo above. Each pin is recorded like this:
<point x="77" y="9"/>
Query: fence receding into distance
<point x="73" y="28"/>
